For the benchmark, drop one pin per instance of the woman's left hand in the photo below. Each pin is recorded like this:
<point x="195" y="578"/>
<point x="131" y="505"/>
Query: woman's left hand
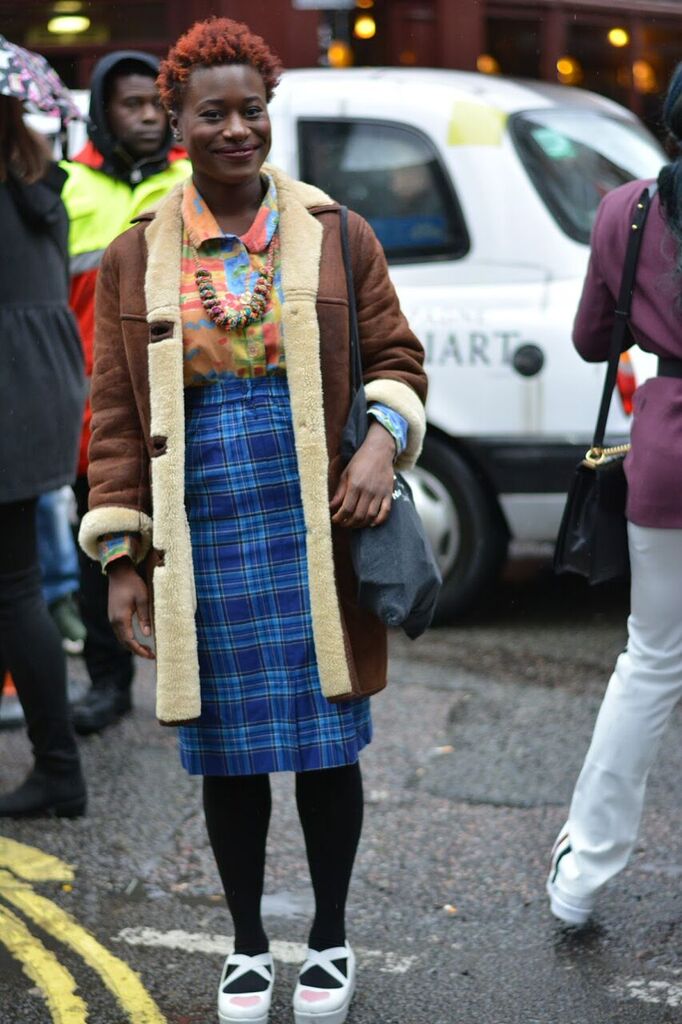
<point x="363" y="497"/>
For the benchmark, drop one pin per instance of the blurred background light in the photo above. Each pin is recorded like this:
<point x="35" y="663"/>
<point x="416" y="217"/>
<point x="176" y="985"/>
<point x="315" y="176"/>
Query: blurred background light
<point x="339" y="54"/>
<point x="365" y="27"/>
<point x="408" y="58"/>
<point x="618" y="37"/>
<point x="68" y="24"/>
<point x="569" y="71"/>
<point x="487" y="65"/>
<point x="644" y="77"/>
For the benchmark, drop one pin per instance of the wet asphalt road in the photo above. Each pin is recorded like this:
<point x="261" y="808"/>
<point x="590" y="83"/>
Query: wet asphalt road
<point x="478" y="740"/>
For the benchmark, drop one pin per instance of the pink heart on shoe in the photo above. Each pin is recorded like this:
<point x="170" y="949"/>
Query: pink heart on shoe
<point x="245" y="1000"/>
<point x="316" y="996"/>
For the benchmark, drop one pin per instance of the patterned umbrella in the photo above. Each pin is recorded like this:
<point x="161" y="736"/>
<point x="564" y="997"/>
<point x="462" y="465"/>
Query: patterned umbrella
<point x="28" y="77"/>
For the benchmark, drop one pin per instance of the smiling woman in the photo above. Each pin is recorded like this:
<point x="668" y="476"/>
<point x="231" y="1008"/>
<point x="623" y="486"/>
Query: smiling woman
<point x="229" y="421"/>
<point x="225" y="127"/>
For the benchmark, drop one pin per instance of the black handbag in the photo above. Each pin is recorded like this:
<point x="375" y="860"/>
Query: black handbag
<point x="398" y="579"/>
<point x="592" y="540"/>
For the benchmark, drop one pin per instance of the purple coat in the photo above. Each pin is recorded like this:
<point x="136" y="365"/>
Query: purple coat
<point x="654" y="464"/>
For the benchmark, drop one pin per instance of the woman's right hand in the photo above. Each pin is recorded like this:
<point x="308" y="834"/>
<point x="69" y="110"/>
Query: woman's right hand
<point x="128" y="596"/>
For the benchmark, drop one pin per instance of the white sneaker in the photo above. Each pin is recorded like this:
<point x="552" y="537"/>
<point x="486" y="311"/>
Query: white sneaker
<point x="326" y="1005"/>
<point x="570" y="909"/>
<point x="253" y="1007"/>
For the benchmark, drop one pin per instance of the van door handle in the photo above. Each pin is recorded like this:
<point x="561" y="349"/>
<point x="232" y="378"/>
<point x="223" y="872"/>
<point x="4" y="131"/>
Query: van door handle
<point x="528" y="359"/>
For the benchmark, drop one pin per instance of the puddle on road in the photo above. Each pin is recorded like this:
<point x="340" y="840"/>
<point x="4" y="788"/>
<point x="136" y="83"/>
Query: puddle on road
<point x="287" y="904"/>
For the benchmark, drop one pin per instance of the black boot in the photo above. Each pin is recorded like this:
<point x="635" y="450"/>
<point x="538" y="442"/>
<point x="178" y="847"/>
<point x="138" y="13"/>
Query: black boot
<point x="100" y="707"/>
<point x="32" y="651"/>
<point x="44" y="793"/>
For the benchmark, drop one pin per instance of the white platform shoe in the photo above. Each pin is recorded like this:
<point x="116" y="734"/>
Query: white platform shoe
<point x="326" y="1005"/>
<point x="246" y="1007"/>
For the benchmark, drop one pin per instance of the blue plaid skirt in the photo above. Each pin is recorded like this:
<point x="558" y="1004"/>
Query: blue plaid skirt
<point x="262" y="708"/>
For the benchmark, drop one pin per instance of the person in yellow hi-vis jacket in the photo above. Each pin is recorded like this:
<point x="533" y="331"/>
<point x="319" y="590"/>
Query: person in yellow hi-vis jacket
<point x="127" y="166"/>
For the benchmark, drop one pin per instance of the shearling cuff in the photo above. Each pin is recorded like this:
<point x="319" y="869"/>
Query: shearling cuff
<point x="404" y="400"/>
<point x="114" y="519"/>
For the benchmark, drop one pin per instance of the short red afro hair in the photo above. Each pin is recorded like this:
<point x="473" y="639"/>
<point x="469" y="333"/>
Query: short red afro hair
<point x="211" y="43"/>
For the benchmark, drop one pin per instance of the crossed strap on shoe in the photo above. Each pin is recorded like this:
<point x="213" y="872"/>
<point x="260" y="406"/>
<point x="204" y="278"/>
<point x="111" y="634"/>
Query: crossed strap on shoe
<point x="260" y="964"/>
<point x="314" y="1004"/>
<point x="325" y="959"/>
<point x="246" y="1007"/>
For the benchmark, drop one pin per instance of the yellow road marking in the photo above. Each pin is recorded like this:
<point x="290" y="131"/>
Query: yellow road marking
<point x="120" y="979"/>
<point x="31" y="864"/>
<point x="42" y="967"/>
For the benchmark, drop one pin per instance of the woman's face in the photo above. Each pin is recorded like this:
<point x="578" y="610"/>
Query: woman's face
<point x="224" y="123"/>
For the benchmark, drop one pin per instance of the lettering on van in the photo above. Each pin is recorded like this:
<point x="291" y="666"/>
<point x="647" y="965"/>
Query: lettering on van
<point x="470" y="348"/>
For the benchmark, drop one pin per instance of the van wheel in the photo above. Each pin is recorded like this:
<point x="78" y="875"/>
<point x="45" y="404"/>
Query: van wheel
<point x="464" y="524"/>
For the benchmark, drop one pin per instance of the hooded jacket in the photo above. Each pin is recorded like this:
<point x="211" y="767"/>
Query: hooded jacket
<point x="105" y="190"/>
<point x="104" y="151"/>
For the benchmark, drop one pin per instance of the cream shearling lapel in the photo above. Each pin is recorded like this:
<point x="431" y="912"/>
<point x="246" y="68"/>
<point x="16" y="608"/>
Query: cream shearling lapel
<point x="178" y="692"/>
<point x="178" y="696"/>
<point x="301" y="247"/>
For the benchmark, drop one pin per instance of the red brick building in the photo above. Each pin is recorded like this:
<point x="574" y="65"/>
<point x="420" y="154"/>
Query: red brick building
<point x="622" y="48"/>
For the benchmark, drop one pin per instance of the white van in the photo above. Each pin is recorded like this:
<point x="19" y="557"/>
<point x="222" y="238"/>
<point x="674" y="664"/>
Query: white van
<point x="483" y="192"/>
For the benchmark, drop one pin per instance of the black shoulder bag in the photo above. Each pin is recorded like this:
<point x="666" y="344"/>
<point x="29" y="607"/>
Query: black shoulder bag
<point x="398" y="579"/>
<point x="592" y="540"/>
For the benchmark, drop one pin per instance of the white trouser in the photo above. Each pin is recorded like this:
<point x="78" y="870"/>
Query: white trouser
<point x="645" y="686"/>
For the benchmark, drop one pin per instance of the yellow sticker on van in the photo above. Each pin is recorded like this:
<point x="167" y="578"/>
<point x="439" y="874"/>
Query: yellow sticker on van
<point x="476" y="124"/>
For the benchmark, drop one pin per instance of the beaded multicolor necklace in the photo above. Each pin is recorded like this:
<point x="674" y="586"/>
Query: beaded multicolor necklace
<point x="252" y="304"/>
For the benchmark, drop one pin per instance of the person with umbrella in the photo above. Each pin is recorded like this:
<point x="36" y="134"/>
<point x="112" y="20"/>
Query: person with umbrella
<point x="41" y="398"/>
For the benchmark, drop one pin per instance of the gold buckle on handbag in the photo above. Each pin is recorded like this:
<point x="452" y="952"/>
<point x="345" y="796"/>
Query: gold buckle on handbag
<point x="596" y="457"/>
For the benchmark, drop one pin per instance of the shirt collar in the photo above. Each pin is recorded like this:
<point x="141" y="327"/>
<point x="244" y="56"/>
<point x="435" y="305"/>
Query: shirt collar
<point x="202" y="226"/>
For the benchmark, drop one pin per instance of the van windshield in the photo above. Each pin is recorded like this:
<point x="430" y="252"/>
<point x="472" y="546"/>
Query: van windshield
<point x="574" y="157"/>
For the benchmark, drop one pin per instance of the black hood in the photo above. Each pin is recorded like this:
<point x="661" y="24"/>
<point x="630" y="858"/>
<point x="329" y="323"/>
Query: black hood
<point x="118" y="162"/>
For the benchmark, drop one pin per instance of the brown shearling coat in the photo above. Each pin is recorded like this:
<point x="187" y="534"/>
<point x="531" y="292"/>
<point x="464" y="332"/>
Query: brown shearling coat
<point x="137" y="447"/>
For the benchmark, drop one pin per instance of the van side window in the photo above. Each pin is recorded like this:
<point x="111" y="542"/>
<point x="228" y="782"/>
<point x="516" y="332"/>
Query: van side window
<point x="391" y="175"/>
<point x="575" y="156"/>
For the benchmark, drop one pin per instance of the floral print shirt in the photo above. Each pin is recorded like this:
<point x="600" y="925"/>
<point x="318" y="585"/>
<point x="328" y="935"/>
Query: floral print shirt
<point x="212" y="352"/>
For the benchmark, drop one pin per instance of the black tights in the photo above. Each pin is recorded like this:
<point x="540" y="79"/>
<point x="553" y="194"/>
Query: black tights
<point x="30" y="645"/>
<point x="237" y="812"/>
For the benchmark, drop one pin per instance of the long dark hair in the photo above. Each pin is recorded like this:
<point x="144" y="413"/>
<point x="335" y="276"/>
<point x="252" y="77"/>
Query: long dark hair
<point x="670" y="176"/>
<point x="22" y="151"/>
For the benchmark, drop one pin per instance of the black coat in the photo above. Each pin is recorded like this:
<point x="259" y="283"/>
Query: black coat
<point x="41" y="362"/>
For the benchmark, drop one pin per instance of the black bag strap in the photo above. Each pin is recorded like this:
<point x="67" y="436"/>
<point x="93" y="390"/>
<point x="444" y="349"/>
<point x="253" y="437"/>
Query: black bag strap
<point x="355" y="357"/>
<point x="622" y="311"/>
